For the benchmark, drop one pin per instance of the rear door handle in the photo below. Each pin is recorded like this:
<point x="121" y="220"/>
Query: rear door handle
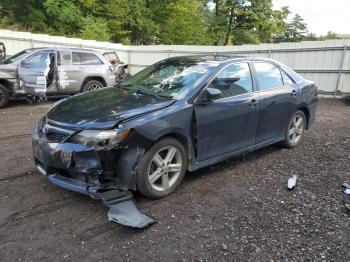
<point x="294" y="93"/>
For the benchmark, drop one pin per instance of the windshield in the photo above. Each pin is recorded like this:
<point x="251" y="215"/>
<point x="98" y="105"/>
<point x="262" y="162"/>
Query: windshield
<point x="16" y="57"/>
<point x="170" y="78"/>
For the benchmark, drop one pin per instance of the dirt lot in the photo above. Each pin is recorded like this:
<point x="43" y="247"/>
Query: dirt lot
<point x="238" y="210"/>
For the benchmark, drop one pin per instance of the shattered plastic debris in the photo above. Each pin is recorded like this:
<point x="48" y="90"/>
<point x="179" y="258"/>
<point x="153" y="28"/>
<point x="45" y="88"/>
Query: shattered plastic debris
<point x="346" y="185"/>
<point x="347" y="206"/>
<point x="346" y="189"/>
<point x="127" y="214"/>
<point x="292" y="181"/>
<point x="123" y="209"/>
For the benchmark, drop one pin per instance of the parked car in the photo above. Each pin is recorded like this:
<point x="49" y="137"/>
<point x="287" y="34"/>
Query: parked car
<point x="178" y="115"/>
<point x="42" y="72"/>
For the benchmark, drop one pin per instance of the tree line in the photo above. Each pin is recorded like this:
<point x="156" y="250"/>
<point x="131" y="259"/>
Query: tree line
<point x="186" y="22"/>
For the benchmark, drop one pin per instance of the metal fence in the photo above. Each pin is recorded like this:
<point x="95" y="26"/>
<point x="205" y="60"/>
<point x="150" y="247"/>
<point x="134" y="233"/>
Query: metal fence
<point x="325" y="62"/>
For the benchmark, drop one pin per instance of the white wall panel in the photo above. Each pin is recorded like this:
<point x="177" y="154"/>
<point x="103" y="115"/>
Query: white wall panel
<point x="319" y="61"/>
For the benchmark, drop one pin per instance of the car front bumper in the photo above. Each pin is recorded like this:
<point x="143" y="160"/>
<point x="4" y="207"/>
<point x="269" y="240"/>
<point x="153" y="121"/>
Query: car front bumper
<point x="78" y="168"/>
<point x="71" y="166"/>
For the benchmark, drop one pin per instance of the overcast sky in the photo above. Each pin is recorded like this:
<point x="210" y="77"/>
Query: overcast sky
<point x="321" y="15"/>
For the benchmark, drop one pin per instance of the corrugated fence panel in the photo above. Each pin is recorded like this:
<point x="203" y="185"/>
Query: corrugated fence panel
<point x="325" y="62"/>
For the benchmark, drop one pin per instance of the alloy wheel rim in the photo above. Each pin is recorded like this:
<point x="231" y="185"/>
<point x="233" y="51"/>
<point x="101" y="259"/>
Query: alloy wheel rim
<point x="94" y="87"/>
<point x="296" y="129"/>
<point x="165" y="168"/>
<point x="1" y="94"/>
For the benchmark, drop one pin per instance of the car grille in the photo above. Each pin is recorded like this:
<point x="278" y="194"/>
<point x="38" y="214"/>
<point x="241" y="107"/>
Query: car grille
<point x="53" y="134"/>
<point x="55" y="137"/>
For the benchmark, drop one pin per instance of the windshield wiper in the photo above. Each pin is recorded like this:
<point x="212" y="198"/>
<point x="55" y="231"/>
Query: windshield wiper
<point x="155" y="94"/>
<point x="140" y="92"/>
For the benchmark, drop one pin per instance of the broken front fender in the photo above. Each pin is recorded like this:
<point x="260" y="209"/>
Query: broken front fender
<point x="96" y="173"/>
<point x="8" y="71"/>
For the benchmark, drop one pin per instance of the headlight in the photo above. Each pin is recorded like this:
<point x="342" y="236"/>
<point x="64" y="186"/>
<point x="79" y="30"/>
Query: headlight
<point x="100" y="138"/>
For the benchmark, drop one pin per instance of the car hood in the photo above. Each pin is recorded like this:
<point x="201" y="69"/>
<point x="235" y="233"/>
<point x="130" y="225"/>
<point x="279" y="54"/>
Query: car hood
<point x="8" y="70"/>
<point x="103" y="109"/>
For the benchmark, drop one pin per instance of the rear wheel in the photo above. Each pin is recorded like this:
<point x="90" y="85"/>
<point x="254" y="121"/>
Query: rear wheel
<point x="4" y="96"/>
<point x="162" y="168"/>
<point x="92" y="85"/>
<point x="295" y="130"/>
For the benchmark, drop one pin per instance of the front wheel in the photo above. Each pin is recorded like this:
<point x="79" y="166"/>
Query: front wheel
<point x="295" y="130"/>
<point x="162" y="169"/>
<point x="4" y="96"/>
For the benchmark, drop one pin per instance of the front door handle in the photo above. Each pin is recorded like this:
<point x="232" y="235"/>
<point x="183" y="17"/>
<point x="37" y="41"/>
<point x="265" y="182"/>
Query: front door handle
<point x="294" y="93"/>
<point x="253" y="103"/>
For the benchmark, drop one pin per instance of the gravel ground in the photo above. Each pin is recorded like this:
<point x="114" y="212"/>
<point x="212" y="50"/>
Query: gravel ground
<point x="238" y="210"/>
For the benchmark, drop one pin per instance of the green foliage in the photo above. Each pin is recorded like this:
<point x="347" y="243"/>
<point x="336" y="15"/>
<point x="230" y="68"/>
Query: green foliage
<point x="192" y="22"/>
<point x="67" y="15"/>
<point x="95" y="28"/>
<point x="243" y="21"/>
<point x="295" y="31"/>
<point x="182" y="23"/>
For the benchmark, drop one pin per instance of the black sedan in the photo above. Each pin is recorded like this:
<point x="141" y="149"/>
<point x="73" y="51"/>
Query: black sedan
<point x="178" y="115"/>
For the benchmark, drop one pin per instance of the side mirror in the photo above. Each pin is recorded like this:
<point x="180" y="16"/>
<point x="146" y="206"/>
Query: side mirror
<point x="208" y="95"/>
<point x="23" y="63"/>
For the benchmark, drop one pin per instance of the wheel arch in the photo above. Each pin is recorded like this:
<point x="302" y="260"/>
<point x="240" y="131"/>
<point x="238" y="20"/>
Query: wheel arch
<point x="306" y="111"/>
<point x="89" y="78"/>
<point x="7" y="84"/>
<point x="184" y="141"/>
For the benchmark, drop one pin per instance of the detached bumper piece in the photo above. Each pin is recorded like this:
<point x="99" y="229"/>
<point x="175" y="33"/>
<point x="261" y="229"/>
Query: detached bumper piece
<point x="123" y="209"/>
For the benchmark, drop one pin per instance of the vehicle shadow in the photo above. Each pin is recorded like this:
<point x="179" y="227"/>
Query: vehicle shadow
<point x="232" y="162"/>
<point x="20" y="102"/>
<point x="216" y="169"/>
<point x="146" y="205"/>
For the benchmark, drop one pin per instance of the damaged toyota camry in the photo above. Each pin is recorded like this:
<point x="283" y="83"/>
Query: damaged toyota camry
<point x="178" y="115"/>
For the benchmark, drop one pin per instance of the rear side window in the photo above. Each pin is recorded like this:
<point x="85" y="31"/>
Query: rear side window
<point x="76" y="58"/>
<point x="268" y="75"/>
<point x="286" y="79"/>
<point x="234" y="80"/>
<point x="111" y="57"/>
<point x="89" y="59"/>
<point x="65" y="57"/>
<point x="79" y="58"/>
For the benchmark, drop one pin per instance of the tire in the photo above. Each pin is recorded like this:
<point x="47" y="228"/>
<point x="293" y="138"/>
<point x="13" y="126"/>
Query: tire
<point x="4" y="96"/>
<point x="92" y="85"/>
<point x="298" y="124"/>
<point x="156" y="168"/>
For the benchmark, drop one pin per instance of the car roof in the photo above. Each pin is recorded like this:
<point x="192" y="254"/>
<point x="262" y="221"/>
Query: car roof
<point x="218" y="59"/>
<point x="64" y="49"/>
<point x="222" y="60"/>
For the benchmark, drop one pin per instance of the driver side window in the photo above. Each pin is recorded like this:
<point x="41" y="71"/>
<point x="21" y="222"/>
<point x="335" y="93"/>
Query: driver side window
<point x="37" y="60"/>
<point x="234" y="80"/>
